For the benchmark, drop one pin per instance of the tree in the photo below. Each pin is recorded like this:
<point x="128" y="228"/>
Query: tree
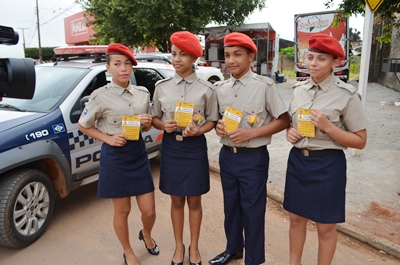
<point x="288" y="51"/>
<point x="354" y="34"/>
<point x="386" y="13"/>
<point x="147" y="22"/>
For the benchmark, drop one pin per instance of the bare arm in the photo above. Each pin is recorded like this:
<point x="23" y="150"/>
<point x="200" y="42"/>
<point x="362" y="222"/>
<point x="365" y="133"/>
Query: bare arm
<point x="168" y="126"/>
<point x="193" y="130"/>
<point x="114" y="140"/>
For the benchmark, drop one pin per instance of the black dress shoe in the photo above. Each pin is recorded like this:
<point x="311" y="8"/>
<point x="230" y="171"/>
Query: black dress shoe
<point x="183" y="257"/>
<point x="192" y="263"/>
<point x="224" y="258"/>
<point x="125" y="259"/>
<point x="152" y="251"/>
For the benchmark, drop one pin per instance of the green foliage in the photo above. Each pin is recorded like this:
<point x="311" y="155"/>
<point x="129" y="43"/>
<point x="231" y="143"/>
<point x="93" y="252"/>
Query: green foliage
<point x="354" y="34"/>
<point x="354" y="67"/>
<point x="47" y="53"/>
<point x="147" y="22"/>
<point x="386" y="12"/>
<point x="288" y="51"/>
<point x="289" y="73"/>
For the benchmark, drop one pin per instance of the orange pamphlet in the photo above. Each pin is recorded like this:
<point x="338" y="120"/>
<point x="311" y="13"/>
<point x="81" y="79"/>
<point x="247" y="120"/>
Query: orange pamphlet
<point x="131" y="127"/>
<point x="183" y="113"/>
<point x="305" y="127"/>
<point x="232" y="118"/>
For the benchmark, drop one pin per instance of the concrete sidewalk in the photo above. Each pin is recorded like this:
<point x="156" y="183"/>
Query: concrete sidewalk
<point x="373" y="180"/>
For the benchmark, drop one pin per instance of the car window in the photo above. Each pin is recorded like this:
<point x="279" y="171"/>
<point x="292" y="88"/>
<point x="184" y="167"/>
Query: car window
<point x="147" y="78"/>
<point x="52" y="85"/>
<point x="153" y="61"/>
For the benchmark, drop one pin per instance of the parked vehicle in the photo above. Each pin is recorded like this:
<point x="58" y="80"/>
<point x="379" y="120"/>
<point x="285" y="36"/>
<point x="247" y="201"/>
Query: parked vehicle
<point x="306" y="25"/>
<point x="209" y="73"/>
<point x="42" y="152"/>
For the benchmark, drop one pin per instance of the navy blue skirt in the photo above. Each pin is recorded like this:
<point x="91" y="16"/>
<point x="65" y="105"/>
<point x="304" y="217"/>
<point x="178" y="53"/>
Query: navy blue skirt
<point x="184" y="169"/>
<point x="124" y="171"/>
<point x="316" y="187"/>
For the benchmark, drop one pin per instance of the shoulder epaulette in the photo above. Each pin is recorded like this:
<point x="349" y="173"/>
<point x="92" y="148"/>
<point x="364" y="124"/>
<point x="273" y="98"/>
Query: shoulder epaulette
<point x="303" y="83"/>
<point x="163" y="80"/>
<point x="204" y="82"/>
<point x="344" y="85"/>
<point x="264" y="79"/>
<point x="141" y="88"/>
<point x="99" y="91"/>
<point x="218" y="83"/>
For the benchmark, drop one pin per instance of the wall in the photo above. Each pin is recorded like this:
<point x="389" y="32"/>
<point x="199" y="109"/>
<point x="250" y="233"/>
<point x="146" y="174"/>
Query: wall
<point x="285" y="63"/>
<point x="379" y="51"/>
<point x="389" y="79"/>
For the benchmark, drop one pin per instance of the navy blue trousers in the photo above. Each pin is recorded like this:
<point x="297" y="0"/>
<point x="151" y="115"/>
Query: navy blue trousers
<point x="244" y="179"/>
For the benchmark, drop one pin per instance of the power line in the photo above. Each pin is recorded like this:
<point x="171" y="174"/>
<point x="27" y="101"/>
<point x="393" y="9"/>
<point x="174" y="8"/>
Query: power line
<point x="23" y="36"/>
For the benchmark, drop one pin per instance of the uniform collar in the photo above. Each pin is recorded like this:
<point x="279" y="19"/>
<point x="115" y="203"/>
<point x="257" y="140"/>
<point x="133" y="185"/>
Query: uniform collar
<point x="324" y="85"/>
<point x="244" y="79"/>
<point x="189" y="79"/>
<point x="119" y="89"/>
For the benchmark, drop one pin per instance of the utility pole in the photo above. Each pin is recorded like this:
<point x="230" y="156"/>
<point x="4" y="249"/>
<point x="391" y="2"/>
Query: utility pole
<point x="23" y="36"/>
<point x="38" y="30"/>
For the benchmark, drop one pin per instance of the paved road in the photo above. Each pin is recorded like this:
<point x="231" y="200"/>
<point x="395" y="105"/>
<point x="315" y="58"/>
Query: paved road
<point x="373" y="180"/>
<point x="81" y="233"/>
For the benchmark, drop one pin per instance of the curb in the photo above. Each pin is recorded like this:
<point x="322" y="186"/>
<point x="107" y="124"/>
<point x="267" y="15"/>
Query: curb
<point x="380" y="244"/>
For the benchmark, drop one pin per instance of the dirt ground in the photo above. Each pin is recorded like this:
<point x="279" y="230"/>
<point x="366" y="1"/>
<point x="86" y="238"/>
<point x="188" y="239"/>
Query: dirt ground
<point x="81" y="233"/>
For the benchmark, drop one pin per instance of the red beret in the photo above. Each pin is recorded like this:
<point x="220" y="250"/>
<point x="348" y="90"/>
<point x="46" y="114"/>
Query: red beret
<point x="324" y="43"/>
<point x="239" y="39"/>
<point x="117" y="48"/>
<point x="187" y="42"/>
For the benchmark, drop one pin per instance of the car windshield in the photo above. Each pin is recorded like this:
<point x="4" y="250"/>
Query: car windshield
<point x="52" y="86"/>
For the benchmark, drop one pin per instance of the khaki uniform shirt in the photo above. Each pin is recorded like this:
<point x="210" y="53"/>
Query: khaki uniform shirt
<point x="190" y="89"/>
<point x="340" y="103"/>
<point x="107" y="105"/>
<point x="253" y="95"/>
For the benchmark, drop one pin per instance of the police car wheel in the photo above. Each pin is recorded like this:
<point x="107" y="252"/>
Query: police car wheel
<point x="213" y="79"/>
<point x="26" y="206"/>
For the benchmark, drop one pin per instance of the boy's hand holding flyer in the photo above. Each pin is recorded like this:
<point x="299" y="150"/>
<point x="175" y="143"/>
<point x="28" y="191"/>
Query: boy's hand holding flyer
<point x="231" y="118"/>
<point x="131" y="127"/>
<point x="183" y="113"/>
<point x="305" y="127"/>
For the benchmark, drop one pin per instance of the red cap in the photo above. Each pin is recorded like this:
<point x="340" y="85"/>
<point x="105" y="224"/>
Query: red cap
<point x="239" y="39"/>
<point x="324" y="43"/>
<point x="187" y="42"/>
<point x="117" y="48"/>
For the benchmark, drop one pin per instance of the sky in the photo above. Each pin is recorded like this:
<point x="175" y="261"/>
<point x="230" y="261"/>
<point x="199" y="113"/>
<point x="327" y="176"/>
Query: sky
<point x="21" y="16"/>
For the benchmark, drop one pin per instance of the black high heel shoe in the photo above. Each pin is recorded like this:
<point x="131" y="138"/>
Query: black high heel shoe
<point x="192" y="263"/>
<point x="152" y="251"/>
<point x="183" y="257"/>
<point x="125" y="259"/>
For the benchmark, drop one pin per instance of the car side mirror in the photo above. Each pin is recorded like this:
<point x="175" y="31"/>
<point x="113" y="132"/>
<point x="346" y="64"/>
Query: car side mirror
<point x="83" y="102"/>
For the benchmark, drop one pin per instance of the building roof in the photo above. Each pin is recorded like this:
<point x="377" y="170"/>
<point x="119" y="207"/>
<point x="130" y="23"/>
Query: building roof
<point x="254" y="27"/>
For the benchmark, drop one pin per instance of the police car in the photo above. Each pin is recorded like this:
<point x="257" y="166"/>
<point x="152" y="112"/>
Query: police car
<point x="42" y="153"/>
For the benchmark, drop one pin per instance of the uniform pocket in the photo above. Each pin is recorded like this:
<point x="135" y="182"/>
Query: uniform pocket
<point x="114" y="121"/>
<point x="253" y="115"/>
<point x="166" y="107"/>
<point x="198" y="115"/>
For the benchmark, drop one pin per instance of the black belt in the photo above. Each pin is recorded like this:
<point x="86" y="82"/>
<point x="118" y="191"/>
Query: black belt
<point x="245" y="150"/>
<point x="320" y="153"/>
<point x="177" y="135"/>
